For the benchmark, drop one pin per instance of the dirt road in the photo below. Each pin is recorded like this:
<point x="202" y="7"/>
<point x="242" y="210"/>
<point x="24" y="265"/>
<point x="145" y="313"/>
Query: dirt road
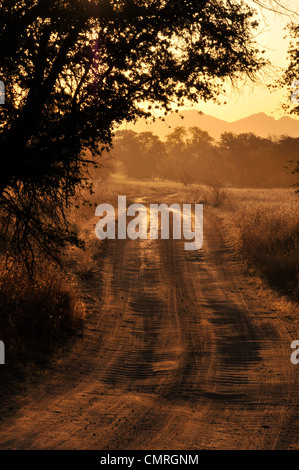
<point x="177" y="353"/>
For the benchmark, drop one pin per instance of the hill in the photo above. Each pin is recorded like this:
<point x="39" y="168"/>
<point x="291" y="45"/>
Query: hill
<point x="260" y="124"/>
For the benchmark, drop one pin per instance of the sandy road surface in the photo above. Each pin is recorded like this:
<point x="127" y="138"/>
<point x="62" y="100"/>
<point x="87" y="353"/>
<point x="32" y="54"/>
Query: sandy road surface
<point x="177" y="354"/>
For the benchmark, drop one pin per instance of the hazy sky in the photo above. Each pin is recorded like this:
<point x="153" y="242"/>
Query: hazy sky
<point x="259" y="99"/>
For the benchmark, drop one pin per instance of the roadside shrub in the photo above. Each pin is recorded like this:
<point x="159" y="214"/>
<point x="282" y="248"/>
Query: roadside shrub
<point x="270" y="243"/>
<point x="36" y="314"/>
<point x="214" y="194"/>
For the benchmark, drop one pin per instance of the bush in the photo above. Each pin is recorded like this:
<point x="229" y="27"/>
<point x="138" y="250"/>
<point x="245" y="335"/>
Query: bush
<point x="213" y="194"/>
<point x="270" y="243"/>
<point x="35" y="314"/>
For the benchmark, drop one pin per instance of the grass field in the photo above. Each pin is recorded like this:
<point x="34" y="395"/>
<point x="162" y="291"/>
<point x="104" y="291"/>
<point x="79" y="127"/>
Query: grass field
<point x="264" y="231"/>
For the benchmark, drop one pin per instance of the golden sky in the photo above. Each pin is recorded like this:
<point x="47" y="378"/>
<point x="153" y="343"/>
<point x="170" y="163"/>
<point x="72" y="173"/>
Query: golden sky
<point x="258" y="99"/>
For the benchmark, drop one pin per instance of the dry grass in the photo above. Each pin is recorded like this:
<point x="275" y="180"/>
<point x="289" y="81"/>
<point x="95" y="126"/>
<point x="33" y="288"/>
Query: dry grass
<point x="267" y="235"/>
<point x="213" y="194"/>
<point x="35" y="315"/>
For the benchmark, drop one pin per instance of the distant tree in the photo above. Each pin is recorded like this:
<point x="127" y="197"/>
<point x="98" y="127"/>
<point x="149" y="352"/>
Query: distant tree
<point x="126" y="150"/>
<point x="245" y="153"/>
<point x="255" y="161"/>
<point x="199" y="137"/>
<point x="141" y="154"/>
<point x="203" y="156"/>
<point x="75" y="68"/>
<point x="152" y="152"/>
<point x="176" y="140"/>
<point x="176" y="145"/>
<point x="191" y="155"/>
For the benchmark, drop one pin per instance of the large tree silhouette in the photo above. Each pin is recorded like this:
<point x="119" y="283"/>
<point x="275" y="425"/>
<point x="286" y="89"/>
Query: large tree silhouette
<point x="75" y="68"/>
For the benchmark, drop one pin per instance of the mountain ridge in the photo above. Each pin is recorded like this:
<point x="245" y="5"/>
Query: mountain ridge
<point x="259" y="123"/>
